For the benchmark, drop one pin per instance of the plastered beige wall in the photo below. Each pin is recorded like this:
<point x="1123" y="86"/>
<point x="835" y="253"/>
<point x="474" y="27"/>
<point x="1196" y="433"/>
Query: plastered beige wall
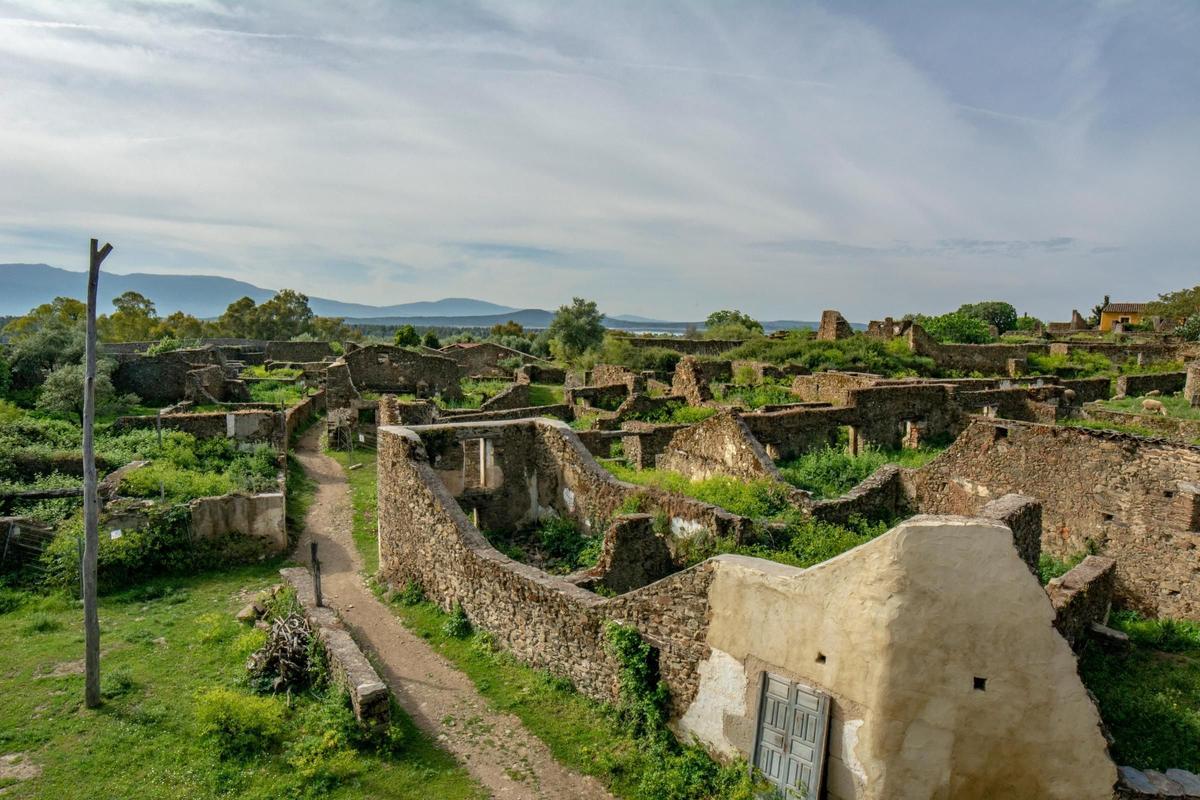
<point x="906" y="623"/>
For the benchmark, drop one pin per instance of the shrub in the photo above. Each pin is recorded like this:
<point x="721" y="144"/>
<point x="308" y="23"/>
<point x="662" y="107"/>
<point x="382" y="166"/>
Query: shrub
<point x="175" y="484"/>
<point x="956" y="328"/>
<point x="40" y="622"/>
<point x="116" y="682"/>
<point x="457" y="626"/>
<point x="12" y="599"/>
<point x="237" y="724"/>
<point x="1050" y="567"/>
<point x="411" y="594"/>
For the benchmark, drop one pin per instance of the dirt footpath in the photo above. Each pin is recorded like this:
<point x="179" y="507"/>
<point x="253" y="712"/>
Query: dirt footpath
<point x="494" y="747"/>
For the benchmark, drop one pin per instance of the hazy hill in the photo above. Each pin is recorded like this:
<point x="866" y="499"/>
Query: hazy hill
<point x="23" y="286"/>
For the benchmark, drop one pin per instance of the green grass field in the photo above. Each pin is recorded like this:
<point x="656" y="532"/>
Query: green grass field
<point x="162" y="644"/>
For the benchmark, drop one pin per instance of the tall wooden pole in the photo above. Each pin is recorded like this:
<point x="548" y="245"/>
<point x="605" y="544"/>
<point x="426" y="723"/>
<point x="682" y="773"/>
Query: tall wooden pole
<point x="91" y="507"/>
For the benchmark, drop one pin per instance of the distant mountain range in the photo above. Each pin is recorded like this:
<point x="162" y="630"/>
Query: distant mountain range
<point x="23" y="286"/>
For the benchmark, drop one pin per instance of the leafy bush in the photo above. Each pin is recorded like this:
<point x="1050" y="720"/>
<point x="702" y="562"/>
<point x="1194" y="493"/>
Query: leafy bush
<point x="1190" y="329"/>
<point x="1050" y="567"/>
<point x="40" y="622"/>
<point x="832" y="471"/>
<point x="956" y="328"/>
<point x="1079" y="364"/>
<point x="176" y="485"/>
<point x="12" y="599"/>
<point x="411" y="594"/>
<point x="457" y="625"/>
<point x="758" y="395"/>
<point x="857" y="354"/>
<point x="238" y="724"/>
<point x="163" y="547"/>
<point x="116" y="682"/>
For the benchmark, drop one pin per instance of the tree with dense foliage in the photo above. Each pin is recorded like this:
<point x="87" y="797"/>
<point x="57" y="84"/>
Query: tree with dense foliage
<point x="510" y="328"/>
<point x="5" y="375"/>
<point x="576" y="329"/>
<point x="731" y="324"/>
<point x="62" y="393"/>
<point x="135" y="319"/>
<point x="48" y="336"/>
<point x="992" y="312"/>
<point x="238" y="318"/>
<point x="179" y="325"/>
<point x="1027" y="323"/>
<point x="430" y="340"/>
<point x="1181" y="304"/>
<point x="407" y="336"/>
<point x="956" y="328"/>
<point x="283" y="316"/>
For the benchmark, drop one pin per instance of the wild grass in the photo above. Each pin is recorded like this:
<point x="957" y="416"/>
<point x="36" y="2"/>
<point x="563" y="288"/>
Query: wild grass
<point x="363" y="492"/>
<point x="541" y="394"/>
<point x="1176" y="405"/>
<point x="832" y="471"/>
<point x="165" y="644"/>
<point x="1149" y="697"/>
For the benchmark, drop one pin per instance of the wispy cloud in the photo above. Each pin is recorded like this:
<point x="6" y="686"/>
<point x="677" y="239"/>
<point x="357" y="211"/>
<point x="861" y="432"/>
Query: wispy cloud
<point x="664" y="158"/>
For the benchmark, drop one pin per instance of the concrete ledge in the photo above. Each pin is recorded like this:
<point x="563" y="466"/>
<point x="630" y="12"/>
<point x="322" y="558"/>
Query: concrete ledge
<point x="351" y="669"/>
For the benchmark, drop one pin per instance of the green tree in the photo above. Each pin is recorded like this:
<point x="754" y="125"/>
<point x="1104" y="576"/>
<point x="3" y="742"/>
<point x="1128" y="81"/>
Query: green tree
<point x="48" y="336"/>
<point x="179" y="325"/>
<point x="993" y="312"/>
<point x="731" y="324"/>
<point x="238" y="320"/>
<point x="430" y="339"/>
<point x="510" y="328"/>
<point x="134" y="320"/>
<point x="283" y="316"/>
<point x="1190" y="329"/>
<point x="407" y="336"/>
<point x="333" y="329"/>
<point x="62" y="393"/>
<point x="576" y="329"/>
<point x="1027" y="323"/>
<point x="956" y="328"/>
<point x="1181" y="304"/>
<point x="1094" y="319"/>
<point x="5" y="375"/>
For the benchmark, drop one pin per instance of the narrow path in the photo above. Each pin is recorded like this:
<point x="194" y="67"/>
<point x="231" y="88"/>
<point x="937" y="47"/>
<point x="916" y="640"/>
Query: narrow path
<point x="494" y="747"/>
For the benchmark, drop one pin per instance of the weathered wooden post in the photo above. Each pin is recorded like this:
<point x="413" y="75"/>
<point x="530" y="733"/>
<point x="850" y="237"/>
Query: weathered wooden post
<point x="316" y="571"/>
<point x="91" y="508"/>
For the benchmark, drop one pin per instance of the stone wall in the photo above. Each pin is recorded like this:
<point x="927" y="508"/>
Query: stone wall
<point x="608" y="397"/>
<point x="348" y="666"/>
<point x="258" y="516"/>
<point x="1120" y="352"/>
<point x="882" y="496"/>
<point x="384" y="368"/>
<point x="161" y="379"/>
<point x="988" y="359"/>
<point x="1136" y="500"/>
<point x="1082" y="598"/>
<point x="539" y="373"/>
<point x="515" y="396"/>
<point x="692" y="379"/>
<point x="483" y="358"/>
<point x="297" y="351"/>
<point x="833" y="327"/>
<point x="644" y="441"/>
<point x="608" y="374"/>
<point x="250" y="427"/>
<point x="1186" y="431"/>
<point x="558" y="411"/>
<point x="831" y="387"/>
<point x="1164" y="382"/>
<point x="720" y="445"/>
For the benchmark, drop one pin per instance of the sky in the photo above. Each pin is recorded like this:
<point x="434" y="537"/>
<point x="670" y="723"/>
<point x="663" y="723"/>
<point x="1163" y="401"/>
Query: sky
<point x="665" y="159"/>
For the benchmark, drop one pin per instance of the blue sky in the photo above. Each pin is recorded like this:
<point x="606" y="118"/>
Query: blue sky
<point x="664" y="159"/>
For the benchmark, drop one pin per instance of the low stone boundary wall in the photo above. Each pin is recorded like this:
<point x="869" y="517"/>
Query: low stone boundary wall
<point x="1082" y="597"/>
<point x="250" y="426"/>
<point x="1185" y="430"/>
<point x="299" y="414"/>
<point x="880" y="496"/>
<point x="1165" y="382"/>
<point x="515" y="396"/>
<point x="645" y="441"/>
<point x="558" y="411"/>
<point x="351" y="670"/>
<point x="259" y="516"/>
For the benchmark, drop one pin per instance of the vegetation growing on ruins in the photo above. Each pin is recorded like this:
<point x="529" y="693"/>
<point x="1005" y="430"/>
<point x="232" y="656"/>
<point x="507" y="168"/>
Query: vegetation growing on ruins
<point x="1107" y="425"/>
<point x="675" y="411"/>
<point x="785" y="533"/>
<point x="857" y="354"/>
<point x="1149" y="696"/>
<point x="541" y="394"/>
<point x="555" y="545"/>
<point x="363" y="493"/>
<point x="173" y="670"/>
<point x="261" y="372"/>
<point x="833" y="471"/>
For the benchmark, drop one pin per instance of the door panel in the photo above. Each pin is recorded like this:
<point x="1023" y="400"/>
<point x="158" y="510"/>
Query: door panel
<point x="792" y="732"/>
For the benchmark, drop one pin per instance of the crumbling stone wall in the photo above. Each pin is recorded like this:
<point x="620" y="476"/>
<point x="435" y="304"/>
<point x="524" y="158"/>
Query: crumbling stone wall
<point x="297" y="351"/>
<point x="720" y="445"/>
<point x="383" y="368"/>
<point x="540" y="373"/>
<point x="248" y="426"/>
<point x="515" y="396"/>
<point x="1082" y="597"/>
<point x="1191" y="389"/>
<point x="692" y="378"/>
<point x="161" y="379"/>
<point x="1165" y="382"/>
<point x="831" y="387"/>
<point x="833" y="327"/>
<point x="1136" y="500"/>
<point x="644" y="441"/>
<point x="608" y="374"/>
<point x="483" y="358"/>
<point x="989" y="359"/>
<point x="604" y="397"/>
<point x="1186" y="431"/>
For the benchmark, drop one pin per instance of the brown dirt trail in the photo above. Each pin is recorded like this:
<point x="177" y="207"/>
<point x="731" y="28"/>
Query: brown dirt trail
<point x="495" y="747"/>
